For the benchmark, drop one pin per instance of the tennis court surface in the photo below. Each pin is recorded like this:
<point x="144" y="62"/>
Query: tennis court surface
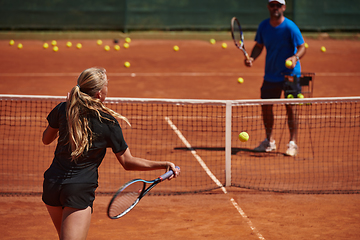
<point x="198" y="71"/>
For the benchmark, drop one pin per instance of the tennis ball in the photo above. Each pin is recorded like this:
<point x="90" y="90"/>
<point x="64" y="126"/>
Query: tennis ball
<point x="55" y="48"/>
<point x="323" y="49"/>
<point x="290" y="96"/>
<point x="68" y="44"/>
<point x="53" y="42"/>
<point x="127" y="40"/>
<point x="288" y="64"/>
<point x="20" y="46"/>
<point x="45" y="45"/>
<point x="212" y="41"/>
<point x="79" y="46"/>
<point x="99" y="42"/>
<point x="12" y="42"/>
<point x="117" y="47"/>
<point x="107" y="48"/>
<point x="176" y="48"/>
<point x="306" y="45"/>
<point x="224" y="45"/>
<point x="300" y="95"/>
<point x="126" y="45"/>
<point x="127" y="64"/>
<point x="243" y="136"/>
<point x="240" y="80"/>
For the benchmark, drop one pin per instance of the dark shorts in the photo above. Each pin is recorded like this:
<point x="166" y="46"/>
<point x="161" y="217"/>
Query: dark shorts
<point x="75" y="195"/>
<point x="270" y="90"/>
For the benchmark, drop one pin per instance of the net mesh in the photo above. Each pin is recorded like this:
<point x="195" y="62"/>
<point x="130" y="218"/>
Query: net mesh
<point x="327" y="162"/>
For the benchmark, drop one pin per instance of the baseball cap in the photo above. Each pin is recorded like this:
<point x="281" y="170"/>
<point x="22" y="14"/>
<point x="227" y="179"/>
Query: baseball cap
<point x="279" y="1"/>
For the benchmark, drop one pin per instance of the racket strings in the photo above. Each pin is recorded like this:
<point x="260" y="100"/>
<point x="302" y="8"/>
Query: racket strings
<point x="125" y="199"/>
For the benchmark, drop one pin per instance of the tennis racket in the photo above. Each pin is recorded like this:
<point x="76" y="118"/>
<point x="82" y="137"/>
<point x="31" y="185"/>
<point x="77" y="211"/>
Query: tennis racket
<point x="238" y="36"/>
<point x="131" y="193"/>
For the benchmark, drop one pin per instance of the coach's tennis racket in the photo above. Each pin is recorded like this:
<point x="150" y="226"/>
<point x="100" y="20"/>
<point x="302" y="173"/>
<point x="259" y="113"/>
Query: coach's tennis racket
<point x="238" y="36"/>
<point x="130" y="194"/>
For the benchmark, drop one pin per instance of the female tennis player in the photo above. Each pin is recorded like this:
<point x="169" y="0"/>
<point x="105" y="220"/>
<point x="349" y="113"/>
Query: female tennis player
<point x="85" y="127"/>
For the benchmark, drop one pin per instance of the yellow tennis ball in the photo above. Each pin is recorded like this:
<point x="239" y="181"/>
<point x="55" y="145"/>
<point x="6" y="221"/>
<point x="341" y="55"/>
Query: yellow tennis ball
<point x="99" y="42"/>
<point x="20" y="46"/>
<point x="126" y="45"/>
<point x="127" y="40"/>
<point x="300" y="95"/>
<point x="288" y="64"/>
<point x="55" y="48"/>
<point x="224" y="45"/>
<point x="212" y="41"/>
<point x="12" y="42"/>
<point x="240" y="80"/>
<point x="53" y="42"/>
<point x="290" y="96"/>
<point x="176" y="48"/>
<point x="323" y="49"/>
<point x="127" y="64"/>
<point x="79" y="46"/>
<point x="306" y="45"/>
<point x="45" y="45"/>
<point x="68" y="44"/>
<point x="107" y="48"/>
<point x="243" y="136"/>
<point x="117" y="47"/>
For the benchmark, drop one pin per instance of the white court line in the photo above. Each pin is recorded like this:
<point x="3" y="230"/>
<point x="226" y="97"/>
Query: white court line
<point x="212" y="176"/>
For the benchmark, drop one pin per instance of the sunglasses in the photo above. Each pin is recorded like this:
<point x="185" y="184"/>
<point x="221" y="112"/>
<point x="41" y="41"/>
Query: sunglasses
<point x="278" y="5"/>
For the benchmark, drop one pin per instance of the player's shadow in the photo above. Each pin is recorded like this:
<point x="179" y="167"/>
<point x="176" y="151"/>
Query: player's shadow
<point x="234" y="151"/>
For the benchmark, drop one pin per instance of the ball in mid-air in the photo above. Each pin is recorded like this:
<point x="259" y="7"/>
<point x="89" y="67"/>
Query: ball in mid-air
<point x="79" y="46"/>
<point x="243" y="136"/>
<point x="323" y="49"/>
<point x="20" y="46"/>
<point x="240" y="80"/>
<point x="45" y="45"/>
<point x="306" y="45"/>
<point x="99" y="42"/>
<point x="176" y="48"/>
<point x="127" y="64"/>
<point x="12" y="42"/>
<point x="224" y="45"/>
<point x="68" y="44"/>
<point x="107" y="48"/>
<point x="288" y="64"/>
<point x="212" y="41"/>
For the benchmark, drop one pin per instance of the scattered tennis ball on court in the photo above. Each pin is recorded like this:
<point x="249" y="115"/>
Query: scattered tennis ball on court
<point x="290" y="96"/>
<point x="306" y="45"/>
<point x="212" y="41"/>
<point x="117" y="47"/>
<point x="176" y="48"/>
<point x="99" y="42"/>
<point x="68" y="44"/>
<point x="79" y="46"/>
<point x="12" y="42"/>
<point x="240" y="80"/>
<point x="127" y="64"/>
<point x="243" y="136"/>
<point x="107" y="48"/>
<point x="53" y="42"/>
<point x="323" y="49"/>
<point x="127" y="40"/>
<point x="55" y="48"/>
<point x="300" y="95"/>
<point x="20" y="46"/>
<point x="288" y="64"/>
<point x="126" y="45"/>
<point x="45" y="45"/>
<point x="224" y="45"/>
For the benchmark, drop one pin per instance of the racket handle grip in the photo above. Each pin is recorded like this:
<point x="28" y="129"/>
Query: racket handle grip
<point x="167" y="174"/>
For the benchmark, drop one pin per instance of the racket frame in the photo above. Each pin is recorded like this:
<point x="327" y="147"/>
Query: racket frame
<point x="235" y="25"/>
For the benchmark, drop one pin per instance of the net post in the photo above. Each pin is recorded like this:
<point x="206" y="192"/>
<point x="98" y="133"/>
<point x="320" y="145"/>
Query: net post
<point x="228" y="117"/>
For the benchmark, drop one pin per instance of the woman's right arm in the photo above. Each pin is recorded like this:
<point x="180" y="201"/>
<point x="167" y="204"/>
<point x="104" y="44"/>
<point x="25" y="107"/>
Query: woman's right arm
<point x="49" y="135"/>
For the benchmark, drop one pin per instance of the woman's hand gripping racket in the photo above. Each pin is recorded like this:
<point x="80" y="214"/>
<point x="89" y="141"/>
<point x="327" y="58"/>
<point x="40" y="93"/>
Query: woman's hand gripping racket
<point x="131" y="193"/>
<point x="238" y="37"/>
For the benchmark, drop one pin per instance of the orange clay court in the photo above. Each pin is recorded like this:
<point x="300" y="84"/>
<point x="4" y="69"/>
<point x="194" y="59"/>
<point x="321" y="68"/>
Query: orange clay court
<point x="199" y="70"/>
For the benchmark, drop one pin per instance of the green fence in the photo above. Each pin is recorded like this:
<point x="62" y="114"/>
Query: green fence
<point x="128" y="15"/>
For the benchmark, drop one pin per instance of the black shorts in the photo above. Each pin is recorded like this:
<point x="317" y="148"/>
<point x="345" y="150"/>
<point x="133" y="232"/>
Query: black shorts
<point x="74" y="195"/>
<point x="270" y="90"/>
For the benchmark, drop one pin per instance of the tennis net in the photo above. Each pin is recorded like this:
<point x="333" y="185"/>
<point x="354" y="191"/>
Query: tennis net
<point x="201" y="136"/>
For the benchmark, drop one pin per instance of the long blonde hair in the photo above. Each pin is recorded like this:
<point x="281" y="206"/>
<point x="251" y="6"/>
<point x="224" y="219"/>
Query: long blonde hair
<point x="82" y="103"/>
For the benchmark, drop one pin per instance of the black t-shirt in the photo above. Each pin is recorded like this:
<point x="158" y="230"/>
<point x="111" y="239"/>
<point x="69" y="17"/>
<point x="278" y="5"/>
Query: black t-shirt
<point x="106" y="134"/>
